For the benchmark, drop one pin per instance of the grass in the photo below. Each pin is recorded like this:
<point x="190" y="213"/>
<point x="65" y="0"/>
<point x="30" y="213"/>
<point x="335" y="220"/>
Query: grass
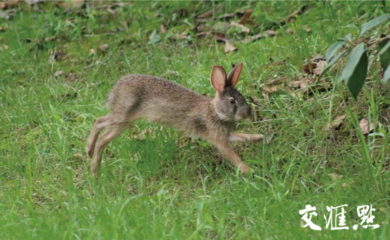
<point x="156" y="183"/>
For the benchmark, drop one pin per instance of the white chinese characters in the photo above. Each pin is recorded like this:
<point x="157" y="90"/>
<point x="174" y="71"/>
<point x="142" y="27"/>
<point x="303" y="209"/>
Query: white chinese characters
<point x="336" y="219"/>
<point x="365" y="213"/>
<point x="307" y="219"/>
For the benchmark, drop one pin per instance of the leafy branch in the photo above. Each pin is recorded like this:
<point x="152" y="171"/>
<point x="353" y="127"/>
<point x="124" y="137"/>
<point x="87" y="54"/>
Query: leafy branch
<point x="356" y="68"/>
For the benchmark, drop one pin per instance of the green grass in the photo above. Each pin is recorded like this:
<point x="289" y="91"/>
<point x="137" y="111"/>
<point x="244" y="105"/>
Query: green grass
<point x="156" y="183"/>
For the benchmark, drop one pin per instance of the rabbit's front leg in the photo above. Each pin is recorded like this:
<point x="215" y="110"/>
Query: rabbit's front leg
<point x="243" y="137"/>
<point x="228" y="152"/>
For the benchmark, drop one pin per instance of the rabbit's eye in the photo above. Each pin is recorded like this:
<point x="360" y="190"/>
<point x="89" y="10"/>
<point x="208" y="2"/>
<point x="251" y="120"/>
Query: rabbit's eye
<point x="232" y="101"/>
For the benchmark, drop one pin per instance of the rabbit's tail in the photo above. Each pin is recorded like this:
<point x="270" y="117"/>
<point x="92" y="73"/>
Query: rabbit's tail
<point x="107" y="103"/>
<point x="109" y="99"/>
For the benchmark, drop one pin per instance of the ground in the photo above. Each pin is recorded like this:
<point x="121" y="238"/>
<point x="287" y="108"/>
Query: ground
<point x="58" y="63"/>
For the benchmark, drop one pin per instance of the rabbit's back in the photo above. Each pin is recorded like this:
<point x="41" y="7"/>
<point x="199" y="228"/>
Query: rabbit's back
<point x="150" y="88"/>
<point x="157" y="100"/>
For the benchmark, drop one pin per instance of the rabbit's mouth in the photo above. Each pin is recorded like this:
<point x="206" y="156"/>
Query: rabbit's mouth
<point x="240" y="118"/>
<point x="243" y="113"/>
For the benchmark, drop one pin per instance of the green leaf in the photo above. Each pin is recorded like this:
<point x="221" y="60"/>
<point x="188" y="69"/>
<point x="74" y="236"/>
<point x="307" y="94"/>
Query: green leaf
<point x="353" y="61"/>
<point x="386" y="75"/>
<point x="334" y="60"/>
<point x="374" y="22"/>
<point x="337" y="57"/>
<point x="385" y="47"/>
<point x="154" y="37"/>
<point x="332" y="50"/>
<point x="355" y="71"/>
<point x="384" y="54"/>
<point x="347" y="38"/>
<point x="356" y="82"/>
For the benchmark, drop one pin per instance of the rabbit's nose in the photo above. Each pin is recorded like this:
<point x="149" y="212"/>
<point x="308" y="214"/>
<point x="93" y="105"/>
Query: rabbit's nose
<point x="249" y="111"/>
<point x="245" y="112"/>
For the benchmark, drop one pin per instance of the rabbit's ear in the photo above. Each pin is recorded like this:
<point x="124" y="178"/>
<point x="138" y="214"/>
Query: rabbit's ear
<point x="218" y="78"/>
<point x="234" y="75"/>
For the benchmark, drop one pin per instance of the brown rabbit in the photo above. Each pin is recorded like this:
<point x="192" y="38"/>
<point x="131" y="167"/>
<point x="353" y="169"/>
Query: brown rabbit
<point x="159" y="100"/>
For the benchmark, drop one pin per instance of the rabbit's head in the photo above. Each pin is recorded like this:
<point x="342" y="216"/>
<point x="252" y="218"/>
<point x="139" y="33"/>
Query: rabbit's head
<point x="229" y="104"/>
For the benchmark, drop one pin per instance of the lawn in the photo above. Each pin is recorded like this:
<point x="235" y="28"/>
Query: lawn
<point x="59" y="61"/>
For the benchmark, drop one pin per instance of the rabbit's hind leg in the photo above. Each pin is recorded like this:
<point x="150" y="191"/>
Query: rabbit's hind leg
<point x="99" y="125"/>
<point x="113" y="129"/>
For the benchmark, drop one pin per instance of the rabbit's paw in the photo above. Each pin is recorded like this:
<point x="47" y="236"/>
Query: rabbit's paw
<point x="244" y="169"/>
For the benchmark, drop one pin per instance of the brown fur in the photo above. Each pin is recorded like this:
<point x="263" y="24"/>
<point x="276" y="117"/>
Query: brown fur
<point x="161" y="101"/>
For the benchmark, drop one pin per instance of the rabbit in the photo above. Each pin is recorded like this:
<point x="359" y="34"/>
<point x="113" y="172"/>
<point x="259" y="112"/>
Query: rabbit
<point x="167" y="103"/>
